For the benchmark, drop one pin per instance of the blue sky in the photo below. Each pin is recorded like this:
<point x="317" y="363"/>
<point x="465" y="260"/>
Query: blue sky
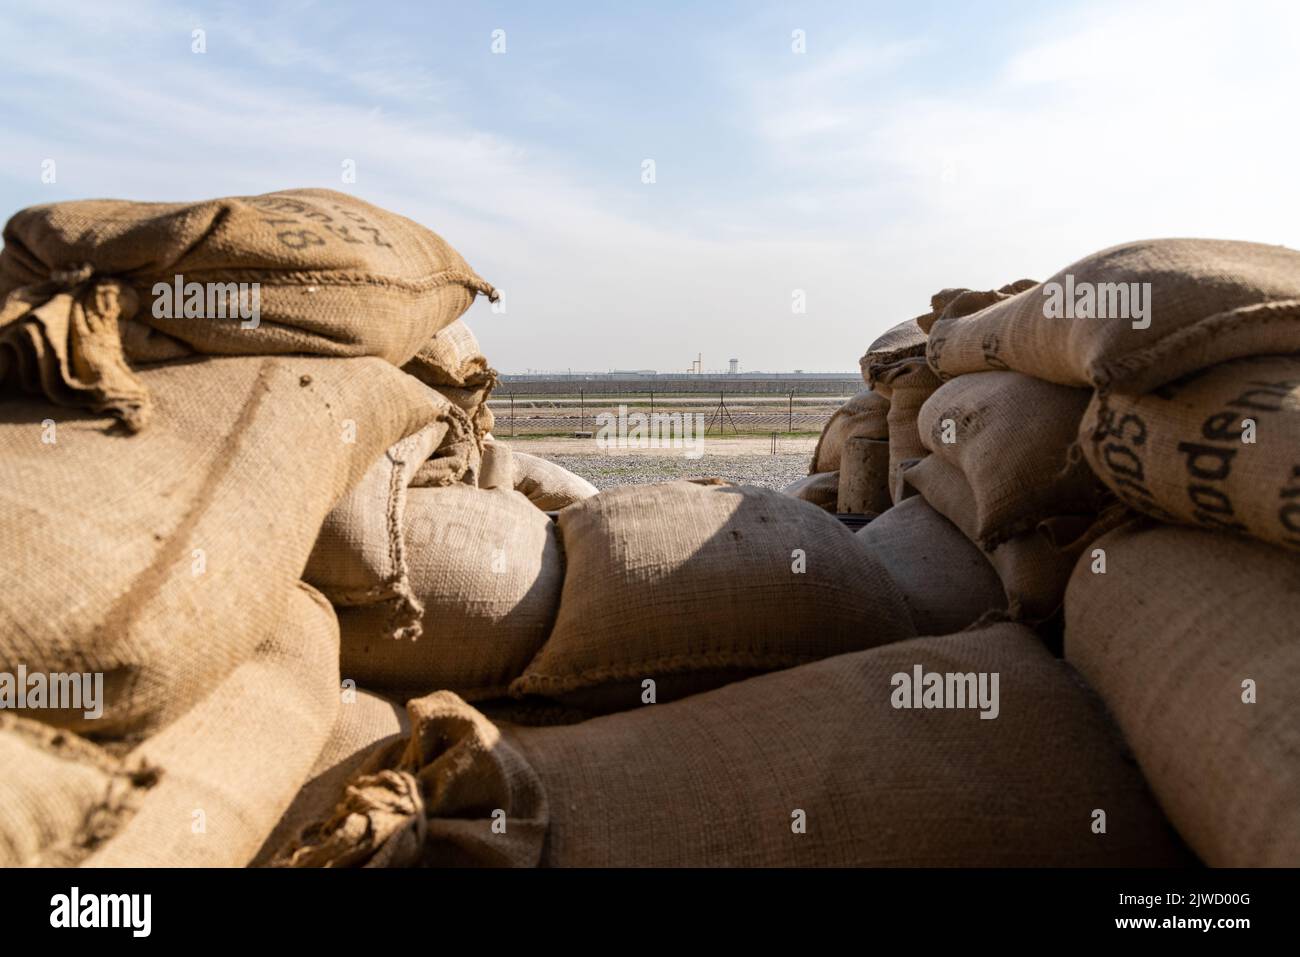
<point x="913" y="146"/>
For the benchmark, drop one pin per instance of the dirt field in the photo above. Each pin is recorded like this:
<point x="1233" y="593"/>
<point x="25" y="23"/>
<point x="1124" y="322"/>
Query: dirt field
<point x="748" y="460"/>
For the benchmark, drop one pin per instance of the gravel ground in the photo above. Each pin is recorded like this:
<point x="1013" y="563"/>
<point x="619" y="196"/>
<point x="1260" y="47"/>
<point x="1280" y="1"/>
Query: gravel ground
<point x="607" y="471"/>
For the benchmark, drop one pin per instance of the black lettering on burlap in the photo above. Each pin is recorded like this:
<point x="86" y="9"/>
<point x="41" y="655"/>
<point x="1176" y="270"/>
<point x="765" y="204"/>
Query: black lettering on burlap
<point x="1201" y="461"/>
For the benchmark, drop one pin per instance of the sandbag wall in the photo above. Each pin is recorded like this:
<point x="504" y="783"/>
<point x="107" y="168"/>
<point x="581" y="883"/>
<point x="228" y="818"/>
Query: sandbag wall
<point x="275" y="551"/>
<point x="1113" y="457"/>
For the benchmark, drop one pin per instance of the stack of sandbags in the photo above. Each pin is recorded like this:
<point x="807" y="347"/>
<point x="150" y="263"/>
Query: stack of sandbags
<point x="165" y="558"/>
<point x="91" y="287"/>
<point x="1184" y="404"/>
<point x="1041" y="419"/>
<point x="823" y="764"/>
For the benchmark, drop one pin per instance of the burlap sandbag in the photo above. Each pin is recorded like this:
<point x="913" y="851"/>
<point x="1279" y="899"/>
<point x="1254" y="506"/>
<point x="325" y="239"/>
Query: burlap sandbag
<point x="336" y="276"/>
<point x="487" y="567"/>
<point x="1210" y="301"/>
<point x="549" y="486"/>
<point x="453" y="363"/>
<point x="366" y="723"/>
<point x="60" y="795"/>
<point x="454" y="793"/>
<point x="946" y="581"/>
<point x="814" y="766"/>
<point x="1220" y="449"/>
<point x="360" y="555"/>
<point x="1010" y="435"/>
<point x="866" y="415"/>
<point x="898" y="343"/>
<point x="820" y="488"/>
<point x="1179" y="632"/>
<point x="162" y="559"/>
<point x="498" y="468"/>
<point x="230" y="767"/>
<point x="911" y="383"/>
<point x="907" y="340"/>
<point x="695" y="585"/>
<point x="1035" y="565"/>
<point x="959" y="301"/>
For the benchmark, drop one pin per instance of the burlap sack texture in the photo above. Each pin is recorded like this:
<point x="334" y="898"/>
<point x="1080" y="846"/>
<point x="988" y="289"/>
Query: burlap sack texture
<point x="360" y="555"/>
<point x="163" y="559"/>
<point x="897" y="344"/>
<point x="454" y="793"/>
<point x="337" y="277"/>
<point x="910" y="383"/>
<point x="1211" y="301"/>
<point x="61" y="795"/>
<point x="230" y="767"/>
<point x="693" y="586"/>
<point x="1181" y="453"/>
<point x="1169" y="635"/>
<point x="945" y="579"/>
<point x="716" y="779"/>
<point x="1034" y="566"/>
<point x="366" y="722"/>
<point x="866" y="415"/>
<point x="453" y="363"/>
<point x="820" y="488"/>
<point x="488" y="569"/>
<point x="548" y="486"/>
<point x="1011" y="436"/>
<point x="907" y="340"/>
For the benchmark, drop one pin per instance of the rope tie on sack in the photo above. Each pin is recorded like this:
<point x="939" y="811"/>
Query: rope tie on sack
<point x="61" y="338"/>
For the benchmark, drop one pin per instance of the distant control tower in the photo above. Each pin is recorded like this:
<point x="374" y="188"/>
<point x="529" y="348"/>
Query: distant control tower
<point x="734" y="366"/>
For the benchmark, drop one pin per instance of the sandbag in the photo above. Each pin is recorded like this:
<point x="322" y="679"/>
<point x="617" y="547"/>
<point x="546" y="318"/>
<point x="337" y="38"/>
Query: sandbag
<point x="865" y="415"/>
<point x="898" y="343"/>
<point x="820" y="488"/>
<point x="366" y="723"/>
<point x="1010" y="435"/>
<point x="1219" y="449"/>
<point x="1035" y="565"/>
<point x="453" y="363"/>
<point x="88" y="286"/>
<point x="360" y="554"/>
<point x="455" y="792"/>
<point x="1202" y="302"/>
<point x="946" y="581"/>
<point x="959" y="301"/>
<point x="694" y="585"/>
<point x="498" y="469"/>
<point x="815" y="766"/>
<point x="162" y="559"/>
<point x="230" y="767"/>
<point x="1180" y="632"/>
<point x="549" y="486"/>
<point x="487" y="567"/>
<point x="61" y="795"/>
<point x="911" y="383"/>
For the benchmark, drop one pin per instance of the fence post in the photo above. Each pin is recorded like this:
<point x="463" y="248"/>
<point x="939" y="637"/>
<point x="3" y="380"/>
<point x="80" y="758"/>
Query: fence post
<point x="582" y="410"/>
<point x="789" y="426"/>
<point x="512" y="415"/>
